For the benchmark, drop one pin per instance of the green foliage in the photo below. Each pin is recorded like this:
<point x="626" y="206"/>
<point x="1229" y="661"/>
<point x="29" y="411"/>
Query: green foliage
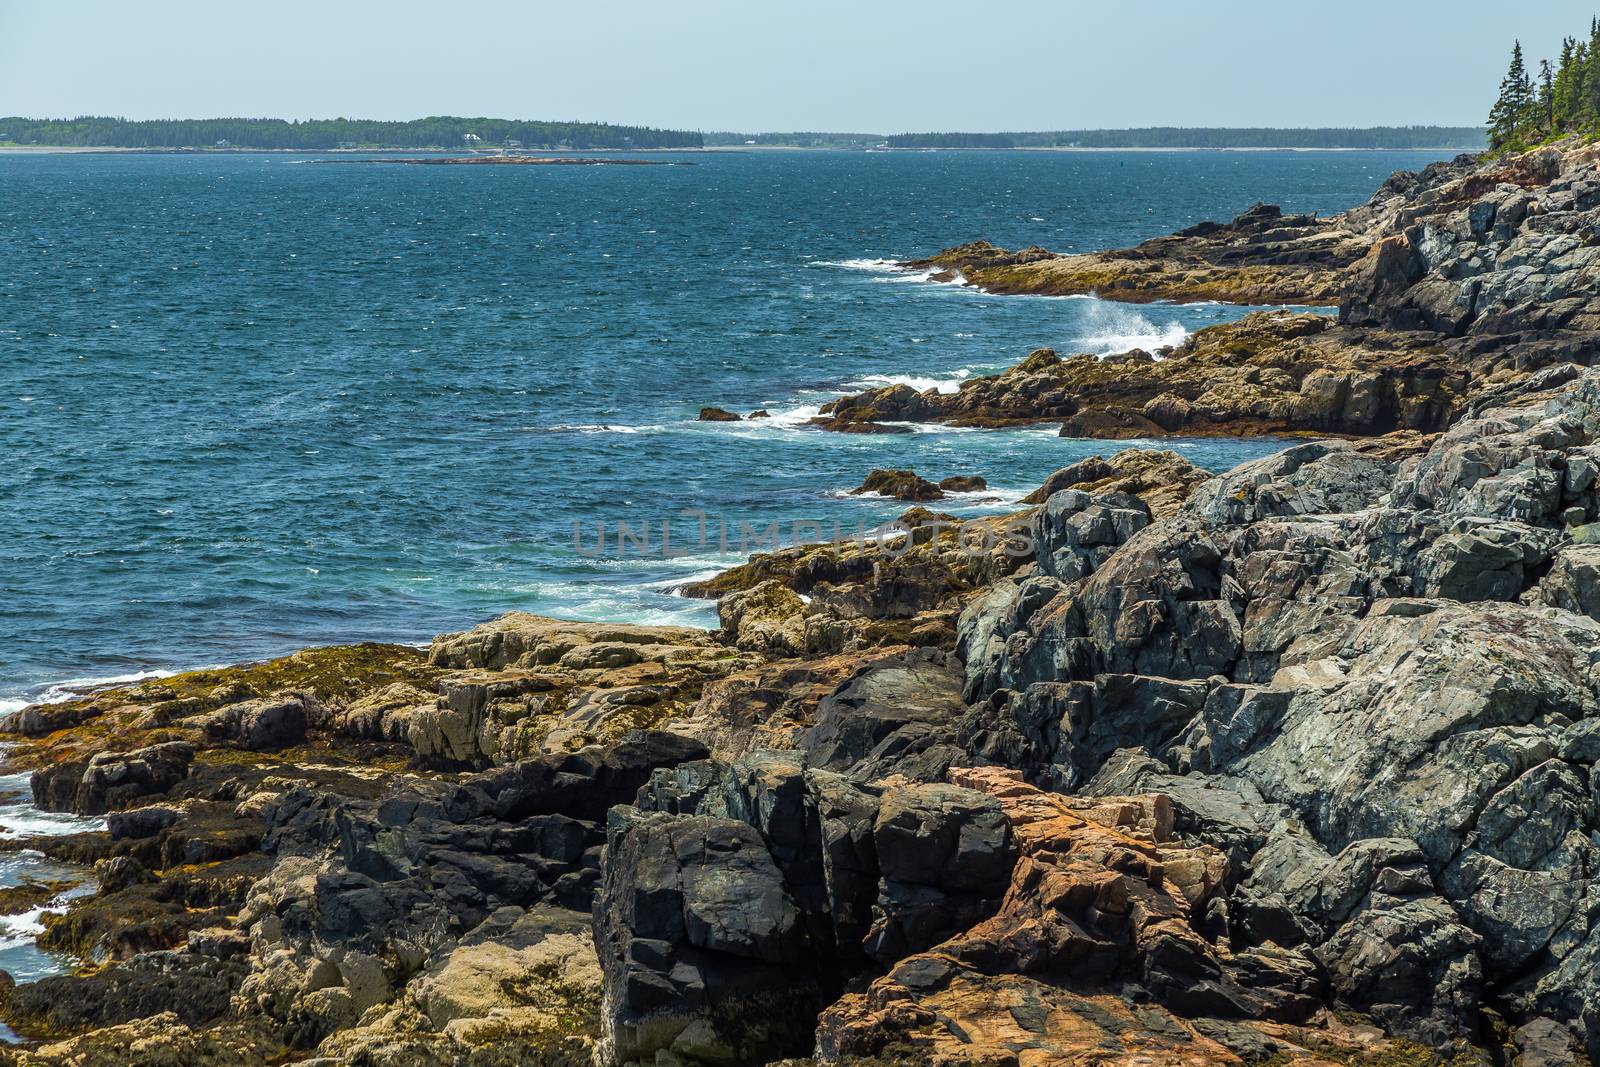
<point x="1423" y="137"/>
<point x="1206" y="137"/>
<point x="311" y="135"/>
<point x="1564" y="99"/>
<point x="804" y="139"/>
<point x="952" y="140"/>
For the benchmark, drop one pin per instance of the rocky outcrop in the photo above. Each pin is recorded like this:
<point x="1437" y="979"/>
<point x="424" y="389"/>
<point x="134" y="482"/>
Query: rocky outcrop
<point x="1290" y="765"/>
<point x="749" y="893"/>
<point x="1261" y="257"/>
<point x="526" y="684"/>
<point x="1269" y="373"/>
<point x="1336" y="641"/>
<point x="897" y="585"/>
<point x="1162" y="480"/>
<point x="112" y="780"/>
<point x="1101" y="888"/>
<point x="1487" y="248"/>
<point x="1451" y="282"/>
<point x="900" y="484"/>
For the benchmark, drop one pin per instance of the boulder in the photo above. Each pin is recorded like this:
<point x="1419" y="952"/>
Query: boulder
<point x="112" y="780"/>
<point x="704" y="953"/>
<point x="767" y="618"/>
<point x="272" y="723"/>
<point x="900" y="484"/>
<point x="1161" y="479"/>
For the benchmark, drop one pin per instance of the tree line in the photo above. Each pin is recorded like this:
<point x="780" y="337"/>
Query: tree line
<point x="443" y="131"/>
<point x="1416" y="137"/>
<point x="1563" y="98"/>
<point x="799" y="139"/>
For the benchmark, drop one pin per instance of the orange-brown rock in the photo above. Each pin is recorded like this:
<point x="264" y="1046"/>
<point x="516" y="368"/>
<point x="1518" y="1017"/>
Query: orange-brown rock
<point x="1162" y="479"/>
<point x="1261" y="257"/>
<point x="1096" y="956"/>
<point x="1273" y="372"/>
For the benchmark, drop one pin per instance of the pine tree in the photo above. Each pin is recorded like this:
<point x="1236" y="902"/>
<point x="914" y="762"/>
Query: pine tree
<point x="1588" y="95"/>
<point x="1563" y="91"/>
<point x="1509" y="116"/>
<point x="1545" y="105"/>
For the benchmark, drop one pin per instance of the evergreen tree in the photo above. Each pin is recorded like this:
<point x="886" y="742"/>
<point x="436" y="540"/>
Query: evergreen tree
<point x="1564" y="89"/>
<point x="1508" y="119"/>
<point x="1545" y="107"/>
<point x="1588" y="116"/>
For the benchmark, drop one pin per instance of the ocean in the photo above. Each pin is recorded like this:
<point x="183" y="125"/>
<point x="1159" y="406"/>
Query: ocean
<point x="252" y="403"/>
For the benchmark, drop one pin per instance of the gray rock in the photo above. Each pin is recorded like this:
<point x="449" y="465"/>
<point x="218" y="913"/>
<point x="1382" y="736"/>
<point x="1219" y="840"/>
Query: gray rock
<point x="703" y="950"/>
<point x="270" y="723"/>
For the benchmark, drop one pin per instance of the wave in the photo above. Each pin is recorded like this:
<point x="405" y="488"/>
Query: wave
<point x="789" y="418"/>
<point x="877" y="266"/>
<point x="19" y="818"/>
<point x="783" y="419"/>
<point x="907" y="274"/>
<point x="596" y="427"/>
<point x="919" y="383"/>
<point x="1107" y="329"/>
<point x="990" y="497"/>
<point x="976" y="500"/>
<point x="72" y="688"/>
<point x="890" y="270"/>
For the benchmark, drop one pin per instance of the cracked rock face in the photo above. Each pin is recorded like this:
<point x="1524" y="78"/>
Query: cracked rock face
<point x="1394" y="660"/>
<point x="1322" y="738"/>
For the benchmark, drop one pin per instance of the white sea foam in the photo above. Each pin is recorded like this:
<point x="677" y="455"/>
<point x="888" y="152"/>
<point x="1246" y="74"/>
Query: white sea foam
<point x="594" y="427"/>
<point x="993" y="496"/>
<point x="69" y="688"/>
<point x="919" y="383"/>
<point x="19" y="818"/>
<point x="877" y="266"/>
<point x="1108" y="328"/>
<point x="787" y="418"/>
<point x="889" y="270"/>
<point x="1168" y="336"/>
<point x="907" y="274"/>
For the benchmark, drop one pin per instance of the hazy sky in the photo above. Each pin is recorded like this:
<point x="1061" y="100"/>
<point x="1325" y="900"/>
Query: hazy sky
<point x="879" y="66"/>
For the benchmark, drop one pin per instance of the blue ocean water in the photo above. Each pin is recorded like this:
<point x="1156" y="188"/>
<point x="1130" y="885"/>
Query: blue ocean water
<point x="250" y="403"/>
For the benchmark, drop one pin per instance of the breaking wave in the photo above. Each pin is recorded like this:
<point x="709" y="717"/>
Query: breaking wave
<point x="1106" y="329"/>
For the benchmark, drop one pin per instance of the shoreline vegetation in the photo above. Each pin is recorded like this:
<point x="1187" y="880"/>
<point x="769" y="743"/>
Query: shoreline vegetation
<point x="514" y="161"/>
<point x="1290" y="765"/>
<point x="447" y="133"/>
<point x="1399" y="138"/>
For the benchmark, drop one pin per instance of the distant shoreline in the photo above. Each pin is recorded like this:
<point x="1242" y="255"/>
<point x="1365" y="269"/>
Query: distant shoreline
<point x="47" y="149"/>
<point x="44" y="150"/>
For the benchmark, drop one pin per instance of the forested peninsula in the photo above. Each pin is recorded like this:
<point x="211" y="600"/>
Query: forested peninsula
<point x="1393" y="137"/>
<point x="442" y="131"/>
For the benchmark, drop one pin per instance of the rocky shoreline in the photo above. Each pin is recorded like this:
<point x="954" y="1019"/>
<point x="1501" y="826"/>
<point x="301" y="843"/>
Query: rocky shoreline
<point x="1450" y="283"/>
<point x="1292" y="764"/>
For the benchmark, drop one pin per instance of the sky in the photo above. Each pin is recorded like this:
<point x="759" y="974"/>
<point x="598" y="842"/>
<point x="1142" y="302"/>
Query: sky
<point x="877" y="66"/>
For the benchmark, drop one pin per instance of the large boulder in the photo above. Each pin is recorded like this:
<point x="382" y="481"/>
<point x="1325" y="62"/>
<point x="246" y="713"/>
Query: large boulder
<point x="112" y="780"/>
<point x="705" y="955"/>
